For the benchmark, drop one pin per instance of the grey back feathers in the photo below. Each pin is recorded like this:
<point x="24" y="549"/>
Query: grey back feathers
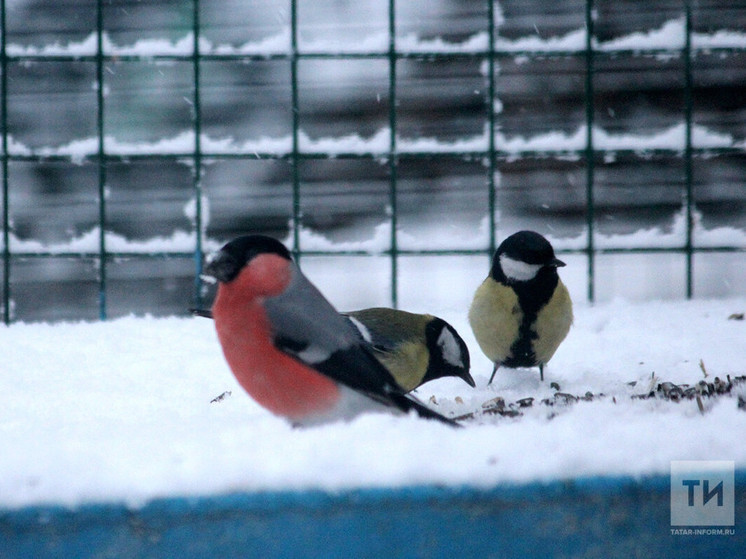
<point x="305" y="324"/>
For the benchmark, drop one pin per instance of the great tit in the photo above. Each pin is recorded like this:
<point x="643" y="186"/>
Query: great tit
<point x="415" y="348"/>
<point x="288" y="347"/>
<point x="521" y="313"/>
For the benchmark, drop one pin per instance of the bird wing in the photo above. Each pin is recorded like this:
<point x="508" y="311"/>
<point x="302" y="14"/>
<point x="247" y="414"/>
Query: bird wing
<point x="371" y="332"/>
<point x="305" y="324"/>
<point x="308" y="328"/>
<point x="389" y="328"/>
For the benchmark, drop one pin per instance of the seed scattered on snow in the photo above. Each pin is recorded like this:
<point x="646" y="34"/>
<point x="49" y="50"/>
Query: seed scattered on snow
<point x="497" y="402"/>
<point x="703" y="368"/>
<point x="668" y="391"/>
<point x="222" y="397"/>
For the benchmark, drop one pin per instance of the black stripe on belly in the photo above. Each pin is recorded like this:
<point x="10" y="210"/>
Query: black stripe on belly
<point x="532" y="297"/>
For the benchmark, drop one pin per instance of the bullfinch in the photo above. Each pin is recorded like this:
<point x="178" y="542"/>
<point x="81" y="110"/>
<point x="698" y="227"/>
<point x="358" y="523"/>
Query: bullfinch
<point x="415" y="348"/>
<point x="288" y="347"/>
<point x="521" y="313"/>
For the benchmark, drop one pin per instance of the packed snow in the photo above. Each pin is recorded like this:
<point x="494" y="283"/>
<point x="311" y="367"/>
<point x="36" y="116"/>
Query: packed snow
<point x="139" y="408"/>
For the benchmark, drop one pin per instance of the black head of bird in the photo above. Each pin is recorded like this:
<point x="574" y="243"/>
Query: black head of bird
<point x="525" y="257"/>
<point x="449" y="355"/>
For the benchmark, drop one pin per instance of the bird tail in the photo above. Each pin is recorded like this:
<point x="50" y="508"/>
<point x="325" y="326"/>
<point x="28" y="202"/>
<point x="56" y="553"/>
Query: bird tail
<point x="407" y="404"/>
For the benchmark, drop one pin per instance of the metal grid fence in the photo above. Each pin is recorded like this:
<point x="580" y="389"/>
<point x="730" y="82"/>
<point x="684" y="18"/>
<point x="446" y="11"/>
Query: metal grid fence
<point x="494" y="155"/>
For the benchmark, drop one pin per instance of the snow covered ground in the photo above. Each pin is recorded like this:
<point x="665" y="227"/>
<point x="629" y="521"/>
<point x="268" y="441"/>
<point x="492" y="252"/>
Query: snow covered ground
<point x="124" y="411"/>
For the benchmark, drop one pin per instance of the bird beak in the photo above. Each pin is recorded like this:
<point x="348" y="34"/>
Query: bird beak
<point x="557" y="263"/>
<point x="467" y="378"/>
<point x="220" y="266"/>
<point x="205" y="313"/>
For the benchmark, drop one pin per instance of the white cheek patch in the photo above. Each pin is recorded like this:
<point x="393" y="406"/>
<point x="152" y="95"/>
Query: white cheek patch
<point x="517" y="270"/>
<point x="364" y="332"/>
<point x="450" y="348"/>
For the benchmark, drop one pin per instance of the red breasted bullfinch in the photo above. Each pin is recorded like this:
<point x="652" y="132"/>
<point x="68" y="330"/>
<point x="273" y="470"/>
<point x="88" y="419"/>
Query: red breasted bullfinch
<point x="521" y="313"/>
<point x="288" y="347"/>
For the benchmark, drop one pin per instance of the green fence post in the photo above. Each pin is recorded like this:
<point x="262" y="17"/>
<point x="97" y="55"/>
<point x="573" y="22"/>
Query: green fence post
<point x="295" y="157"/>
<point x="393" y="156"/>
<point x="589" y="151"/>
<point x="492" y="157"/>
<point x="197" y="185"/>
<point x="688" y="169"/>
<point x="102" y="257"/>
<point x="4" y="132"/>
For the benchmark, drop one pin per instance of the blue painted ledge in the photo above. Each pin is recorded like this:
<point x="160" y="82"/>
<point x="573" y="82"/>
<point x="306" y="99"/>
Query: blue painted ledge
<point x="589" y="517"/>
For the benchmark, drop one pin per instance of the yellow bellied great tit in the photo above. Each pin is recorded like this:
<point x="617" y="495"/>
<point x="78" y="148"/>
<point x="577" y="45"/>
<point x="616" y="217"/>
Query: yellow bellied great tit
<point x="521" y="313"/>
<point x="416" y="348"/>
